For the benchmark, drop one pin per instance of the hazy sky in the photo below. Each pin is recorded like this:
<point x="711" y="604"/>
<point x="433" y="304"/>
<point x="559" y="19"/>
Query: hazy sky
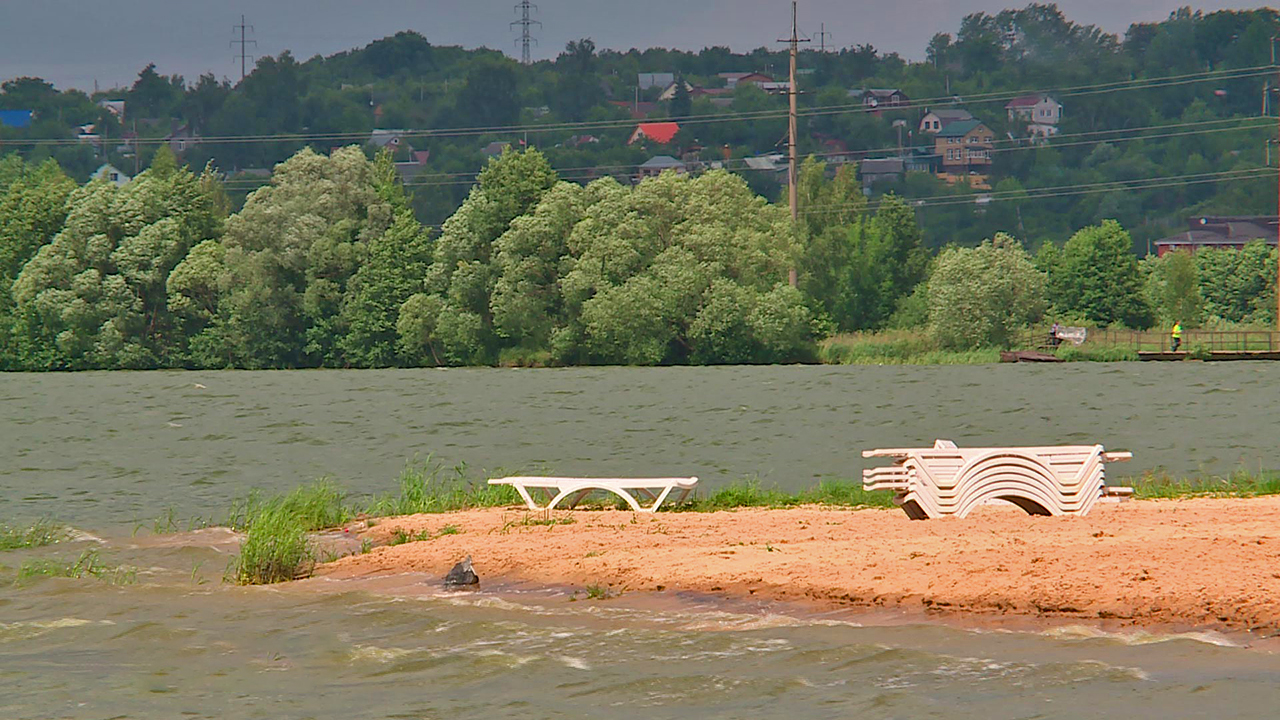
<point x="75" y="42"/>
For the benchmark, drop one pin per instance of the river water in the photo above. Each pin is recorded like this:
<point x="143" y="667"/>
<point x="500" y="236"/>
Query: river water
<point x="109" y="451"/>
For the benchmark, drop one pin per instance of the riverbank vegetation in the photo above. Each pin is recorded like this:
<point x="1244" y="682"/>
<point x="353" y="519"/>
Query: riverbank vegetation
<point x="533" y="270"/>
<point x="440" y="255"/>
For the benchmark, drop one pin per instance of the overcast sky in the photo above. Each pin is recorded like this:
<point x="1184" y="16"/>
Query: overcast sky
<point x="75" y="42"/>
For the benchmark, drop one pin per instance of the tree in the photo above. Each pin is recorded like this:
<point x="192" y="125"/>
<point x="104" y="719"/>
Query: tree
<point x="490" y="97"/>
<point x="463" y="275"/>
<point x="1173" y="288"/>
<point x="1238" y="286"/>
<point x="282" y="273"/>
<point x="578" y="89"/>
<point x="681" y="103"/>
<point x="1097" y="277"/>
<point x="95" y="296"/>
<point x="981" y="296"/>
<point x="153" y="95"/>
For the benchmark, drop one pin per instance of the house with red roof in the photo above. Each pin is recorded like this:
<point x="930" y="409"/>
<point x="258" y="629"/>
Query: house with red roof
<point x="659" y="132"/>
<point x="1040" y="112"/>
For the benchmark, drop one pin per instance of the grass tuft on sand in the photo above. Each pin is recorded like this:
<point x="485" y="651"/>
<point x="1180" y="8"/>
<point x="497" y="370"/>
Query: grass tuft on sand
<point x="37" y="534"/>
<point x="275" y="548"/>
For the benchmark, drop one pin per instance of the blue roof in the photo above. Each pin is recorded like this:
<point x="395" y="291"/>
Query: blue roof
<point x="15" y="118"/>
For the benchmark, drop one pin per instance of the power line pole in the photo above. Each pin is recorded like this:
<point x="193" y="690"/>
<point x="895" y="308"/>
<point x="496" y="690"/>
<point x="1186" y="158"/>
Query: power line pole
<point x="822" y="38"/>
<point x="792" y="177"/>
<point x="244" y="44"/>
<point x="525" y="22"/>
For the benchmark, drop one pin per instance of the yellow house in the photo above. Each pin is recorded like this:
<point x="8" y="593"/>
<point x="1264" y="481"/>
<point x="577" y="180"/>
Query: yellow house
<point x="965" y="146"/>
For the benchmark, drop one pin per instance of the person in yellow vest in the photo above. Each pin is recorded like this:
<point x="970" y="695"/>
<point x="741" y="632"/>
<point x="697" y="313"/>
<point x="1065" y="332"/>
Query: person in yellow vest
<point x="1177" y="336"/>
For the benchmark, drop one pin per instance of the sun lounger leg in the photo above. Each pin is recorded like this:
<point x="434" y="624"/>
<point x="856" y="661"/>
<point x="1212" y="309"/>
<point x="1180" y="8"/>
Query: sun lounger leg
<point x="565" y="493"/>
<point x="528" y="500"/>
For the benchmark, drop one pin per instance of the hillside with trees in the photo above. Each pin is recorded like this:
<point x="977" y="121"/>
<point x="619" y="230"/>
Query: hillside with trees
<point x="414" y="204"/>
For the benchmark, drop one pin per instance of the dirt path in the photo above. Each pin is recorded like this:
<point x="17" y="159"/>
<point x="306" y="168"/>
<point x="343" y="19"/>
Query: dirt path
<point x="1196" y="562"/>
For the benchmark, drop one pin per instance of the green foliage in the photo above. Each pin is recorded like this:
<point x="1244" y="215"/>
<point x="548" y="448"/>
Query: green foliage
<point x="898" y="347"/>
<point x="37" y="534"/>
<point x="1096" y="275"/>
<point x="94" y="297"/>
<point x="1173" y="288"/>
<point x="317" y="506"/>
<point x="751" y="493"/>
<point x="1238" y="286"/>
<point x="981" y="296"/>
<point x="432" y="488"/>
<point x="1240" y="483"/>
<point x="275" y="549"/>
<point x="88" y="564"/>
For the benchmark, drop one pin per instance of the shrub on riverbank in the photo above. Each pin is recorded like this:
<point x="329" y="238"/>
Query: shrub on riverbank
<point x="898" y="347"/>
<point x="275" y="548"/>
<point x="37" y="534"/>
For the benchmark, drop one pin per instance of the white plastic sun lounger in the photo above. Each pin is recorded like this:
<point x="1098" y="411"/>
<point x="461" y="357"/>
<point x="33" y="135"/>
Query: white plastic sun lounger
<point x="946" y="480"/>
<point x="573" y="490"/>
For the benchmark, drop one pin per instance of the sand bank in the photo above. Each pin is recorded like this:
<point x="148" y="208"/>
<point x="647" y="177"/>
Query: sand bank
<point x="1205" y="562"/>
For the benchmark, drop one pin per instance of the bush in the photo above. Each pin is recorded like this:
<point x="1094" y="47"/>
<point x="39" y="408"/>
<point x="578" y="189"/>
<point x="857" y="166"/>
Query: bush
<point x="274" y="550"/>
<point x="980" y="297"/>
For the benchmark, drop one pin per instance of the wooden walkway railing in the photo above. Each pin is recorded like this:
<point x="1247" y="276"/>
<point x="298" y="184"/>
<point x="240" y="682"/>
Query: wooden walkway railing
<point x="1214" y="341"/>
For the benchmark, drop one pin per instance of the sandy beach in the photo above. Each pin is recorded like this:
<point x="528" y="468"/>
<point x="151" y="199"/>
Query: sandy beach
<point x="1202" y="562"/>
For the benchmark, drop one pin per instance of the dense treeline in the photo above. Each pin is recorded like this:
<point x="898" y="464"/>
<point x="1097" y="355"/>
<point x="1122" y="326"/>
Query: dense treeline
<point x="328" y="267"/>
<point x="407" y="82"/>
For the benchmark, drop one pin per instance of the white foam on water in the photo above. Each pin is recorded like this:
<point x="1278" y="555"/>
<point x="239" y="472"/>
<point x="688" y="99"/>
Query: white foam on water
<point x="1137" y="637"/>
<point x="373" y="653"/>
<point x="573" y="662"/>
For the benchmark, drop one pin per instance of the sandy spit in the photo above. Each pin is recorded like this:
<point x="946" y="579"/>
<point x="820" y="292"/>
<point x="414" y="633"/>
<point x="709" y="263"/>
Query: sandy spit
<point x="1204" y="562"/>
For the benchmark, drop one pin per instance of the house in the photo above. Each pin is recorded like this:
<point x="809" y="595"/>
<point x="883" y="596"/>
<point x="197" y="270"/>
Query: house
<point x="392" y="140"/>
<point x="577" y="141"/>
<point x="652" y="80"/>
<point x="922" y="159"/>
<point x="115" y="107"/>
<point x="659" y="132"/>
<point x="495" y="148"/>
<point x="876" y="170"/>
<point x="773" y="163"/>
<point x="881" y="98"/>
<point x="414" y="166"/>
<point x="1220" y="231"/>
<point x="1040" y="112"/>
<point x="670" y="92"/>
<point x="111" y="174"/>
<point x="733" y="79"/>
<point x="964" y="146"/>
<point x="774" y="88"/>
<point x="934" y="120"/>
<point x="16" y="118"/>
<point x="1038" y="109"/>
<point x="834" y="151"/>
<point x="181" y="138"/>
<point x="658" y="164"/>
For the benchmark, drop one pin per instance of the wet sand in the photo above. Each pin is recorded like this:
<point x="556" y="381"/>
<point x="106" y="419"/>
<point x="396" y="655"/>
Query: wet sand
<point x="1203" y="562"/>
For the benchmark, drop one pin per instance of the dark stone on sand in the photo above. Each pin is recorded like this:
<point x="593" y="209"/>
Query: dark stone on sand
<point x="461" y="575"/>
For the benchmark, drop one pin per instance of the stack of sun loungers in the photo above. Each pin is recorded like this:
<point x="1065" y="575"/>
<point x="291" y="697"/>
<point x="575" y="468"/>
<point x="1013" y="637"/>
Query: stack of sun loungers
<point x="945" y="480"/>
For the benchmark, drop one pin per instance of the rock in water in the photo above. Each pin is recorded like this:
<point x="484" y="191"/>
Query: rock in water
<point x="462" y="574"/>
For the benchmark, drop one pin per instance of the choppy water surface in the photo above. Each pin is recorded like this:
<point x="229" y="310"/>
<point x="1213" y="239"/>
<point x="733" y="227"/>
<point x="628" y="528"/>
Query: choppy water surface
<point x="107" y="450"/>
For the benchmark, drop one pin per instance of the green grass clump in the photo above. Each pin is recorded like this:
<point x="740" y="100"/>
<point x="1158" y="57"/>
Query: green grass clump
<point x="37" y="534"/>
<point x="1096" y="353"/>
<point x="1241" y="483"/>
<point x="317" y="506"/>
<point x="275" y="549"/>
<point x="750" y="493"/>
<point x="431" y="488"/>
<point x="89" y="564"/>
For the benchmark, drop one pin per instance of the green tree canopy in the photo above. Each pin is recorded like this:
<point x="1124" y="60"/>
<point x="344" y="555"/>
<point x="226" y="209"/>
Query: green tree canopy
<point x="982" y="296"/>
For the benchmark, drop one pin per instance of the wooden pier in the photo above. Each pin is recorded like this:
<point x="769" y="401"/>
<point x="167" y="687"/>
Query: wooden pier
<point x="1157" y="346"/>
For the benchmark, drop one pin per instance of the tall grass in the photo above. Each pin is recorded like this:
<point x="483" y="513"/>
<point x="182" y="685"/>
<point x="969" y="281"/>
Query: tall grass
<point x="275" y="548"/>
<point x="317" y="506"/>
<point x="432" y="488"/>
<point x="1240" y="483"/>
<point x="898" y="347"/>
<point x="37" y="534"/>
<point x="89" y="564"/>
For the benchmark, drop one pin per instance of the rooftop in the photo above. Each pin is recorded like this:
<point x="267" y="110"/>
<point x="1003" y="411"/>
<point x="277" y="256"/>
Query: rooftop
<point x="960" y="128"/>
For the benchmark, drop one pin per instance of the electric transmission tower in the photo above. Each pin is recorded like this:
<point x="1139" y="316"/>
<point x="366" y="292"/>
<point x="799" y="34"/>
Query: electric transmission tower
<point x="525" y="8"/>
<point x="244" y="45"/>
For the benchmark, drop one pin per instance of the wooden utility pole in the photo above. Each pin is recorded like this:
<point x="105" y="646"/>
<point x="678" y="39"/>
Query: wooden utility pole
<point x="792" y="174"/>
